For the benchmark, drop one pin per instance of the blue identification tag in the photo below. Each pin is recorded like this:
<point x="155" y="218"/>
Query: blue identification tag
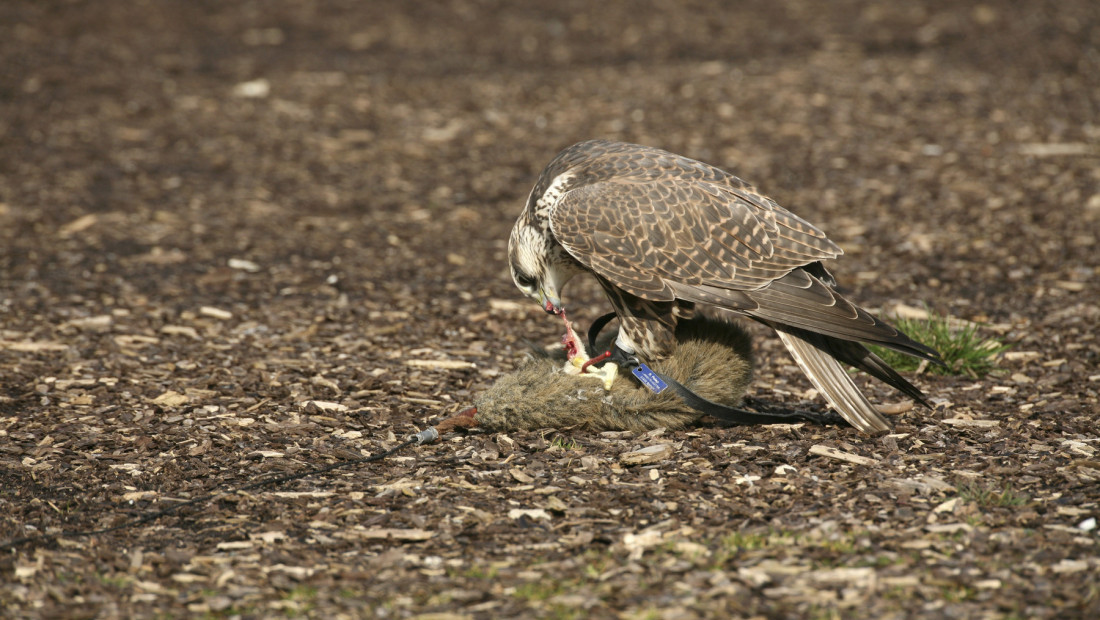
<point x="649" y="379"/>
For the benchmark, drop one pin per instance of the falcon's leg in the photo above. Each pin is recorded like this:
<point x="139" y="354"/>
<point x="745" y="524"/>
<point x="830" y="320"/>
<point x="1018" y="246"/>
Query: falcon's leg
<point x="646" y="328"/>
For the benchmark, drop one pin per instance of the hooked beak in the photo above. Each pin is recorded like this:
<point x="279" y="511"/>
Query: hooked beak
<point x="550" y="302"/>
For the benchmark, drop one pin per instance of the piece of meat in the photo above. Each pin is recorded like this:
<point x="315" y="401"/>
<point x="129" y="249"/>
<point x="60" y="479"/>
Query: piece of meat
<point x="573" y="344"/>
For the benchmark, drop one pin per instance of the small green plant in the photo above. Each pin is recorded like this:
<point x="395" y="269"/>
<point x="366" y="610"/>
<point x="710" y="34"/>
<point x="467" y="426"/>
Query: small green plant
<point x="823" y="612"/>
<point x="479" y="572"/>
<point x="305" y="596"/>
<point x="964" y="350"/>
<point x="538" y="590"/>
<point x="957" y="593"/>
<point x="648" y="613"/>
<point x="564" y="443"/>
<point x="564" y="612"/>
<point x="740" y="541"/>
<point x="301" y="593"/>
<point x="986" y="496"/>
<point x="843" y="545"/>
<point x="115" y="581"/>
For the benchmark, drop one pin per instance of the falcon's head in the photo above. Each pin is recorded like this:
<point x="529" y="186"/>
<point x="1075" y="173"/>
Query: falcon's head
<point x="540" y="266"/>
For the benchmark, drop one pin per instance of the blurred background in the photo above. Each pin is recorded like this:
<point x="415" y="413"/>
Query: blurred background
<point x="949" y="146"/>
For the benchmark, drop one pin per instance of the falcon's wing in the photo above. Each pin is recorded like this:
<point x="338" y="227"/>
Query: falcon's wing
<point x="683" y="238"/>
<point x="643" y="233"/>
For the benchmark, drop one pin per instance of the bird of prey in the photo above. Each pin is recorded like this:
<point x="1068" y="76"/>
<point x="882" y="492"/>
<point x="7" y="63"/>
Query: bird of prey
<point x="662" y="233"/>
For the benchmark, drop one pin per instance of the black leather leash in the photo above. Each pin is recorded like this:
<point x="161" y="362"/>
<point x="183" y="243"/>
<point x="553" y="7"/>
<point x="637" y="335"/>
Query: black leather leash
<point x="732" y="415"/>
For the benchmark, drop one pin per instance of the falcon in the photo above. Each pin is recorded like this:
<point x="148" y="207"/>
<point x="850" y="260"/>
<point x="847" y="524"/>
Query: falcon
<point x="662" y="233"/>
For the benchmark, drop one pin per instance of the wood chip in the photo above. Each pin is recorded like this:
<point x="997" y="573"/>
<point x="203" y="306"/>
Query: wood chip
<point x="1068" y="566"/>
<point x="948" y="506"/>
<point x="860" y="577"/>
<point x="1022" y="356"/>
<point x="80" y="224"/>
<point x="135" y="340"/>
<point x="215" y="313"/>
<point x="904" y="581"/>
<point x="648" y="454"/>
<point x="920" y="314"/>
<point x="555" y="504"/>
<point x="847" y="457"/>
<point x="520" y="476"/>
<point x="442" y="364"/>
<point x="896" y="408"/>
<point x="386" y="533"/>
<point x="323" y="405"/>
<point x="1056" y="149"/>
<point x="507" y="305"/>
<point x="322" y="381"/>
<point x="965" y="423"/>
<point x="295" y="572"/>
<point x="948" y="528"/>
<point x="181" y="330"/>
<point x="530" y="513"/>
<point x="27" y="346"/>
<point x="268" y="536"/>
<point x="99" y="323"/>
<point x="171" y="398"/>
<point x="925" y="485"/>
<point x="243" y="265"/>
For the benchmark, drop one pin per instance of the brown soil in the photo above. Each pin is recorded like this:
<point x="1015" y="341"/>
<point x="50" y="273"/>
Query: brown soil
<point x="227" y="228"/>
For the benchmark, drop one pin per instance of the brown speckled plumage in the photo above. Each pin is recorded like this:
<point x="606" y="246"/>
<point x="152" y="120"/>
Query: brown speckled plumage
<point x="713" y="358"/>
<point x="662" y="232"/>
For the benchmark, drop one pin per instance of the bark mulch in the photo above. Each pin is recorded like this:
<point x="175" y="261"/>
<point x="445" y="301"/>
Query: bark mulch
<point x="243" y="240"/>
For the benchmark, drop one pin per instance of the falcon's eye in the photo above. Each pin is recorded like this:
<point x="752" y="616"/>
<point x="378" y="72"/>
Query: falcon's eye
<point x="525" y="281"/>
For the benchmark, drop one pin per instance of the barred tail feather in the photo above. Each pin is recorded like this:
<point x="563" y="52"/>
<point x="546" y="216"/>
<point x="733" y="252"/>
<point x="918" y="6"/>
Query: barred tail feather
<point x="830" y="378"/>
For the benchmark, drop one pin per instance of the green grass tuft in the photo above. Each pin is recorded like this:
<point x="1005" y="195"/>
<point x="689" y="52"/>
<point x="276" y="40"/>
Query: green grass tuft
<point x="564" y="443"/>
<point x="964" y="350"/>
<point x="987" y="496"/>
